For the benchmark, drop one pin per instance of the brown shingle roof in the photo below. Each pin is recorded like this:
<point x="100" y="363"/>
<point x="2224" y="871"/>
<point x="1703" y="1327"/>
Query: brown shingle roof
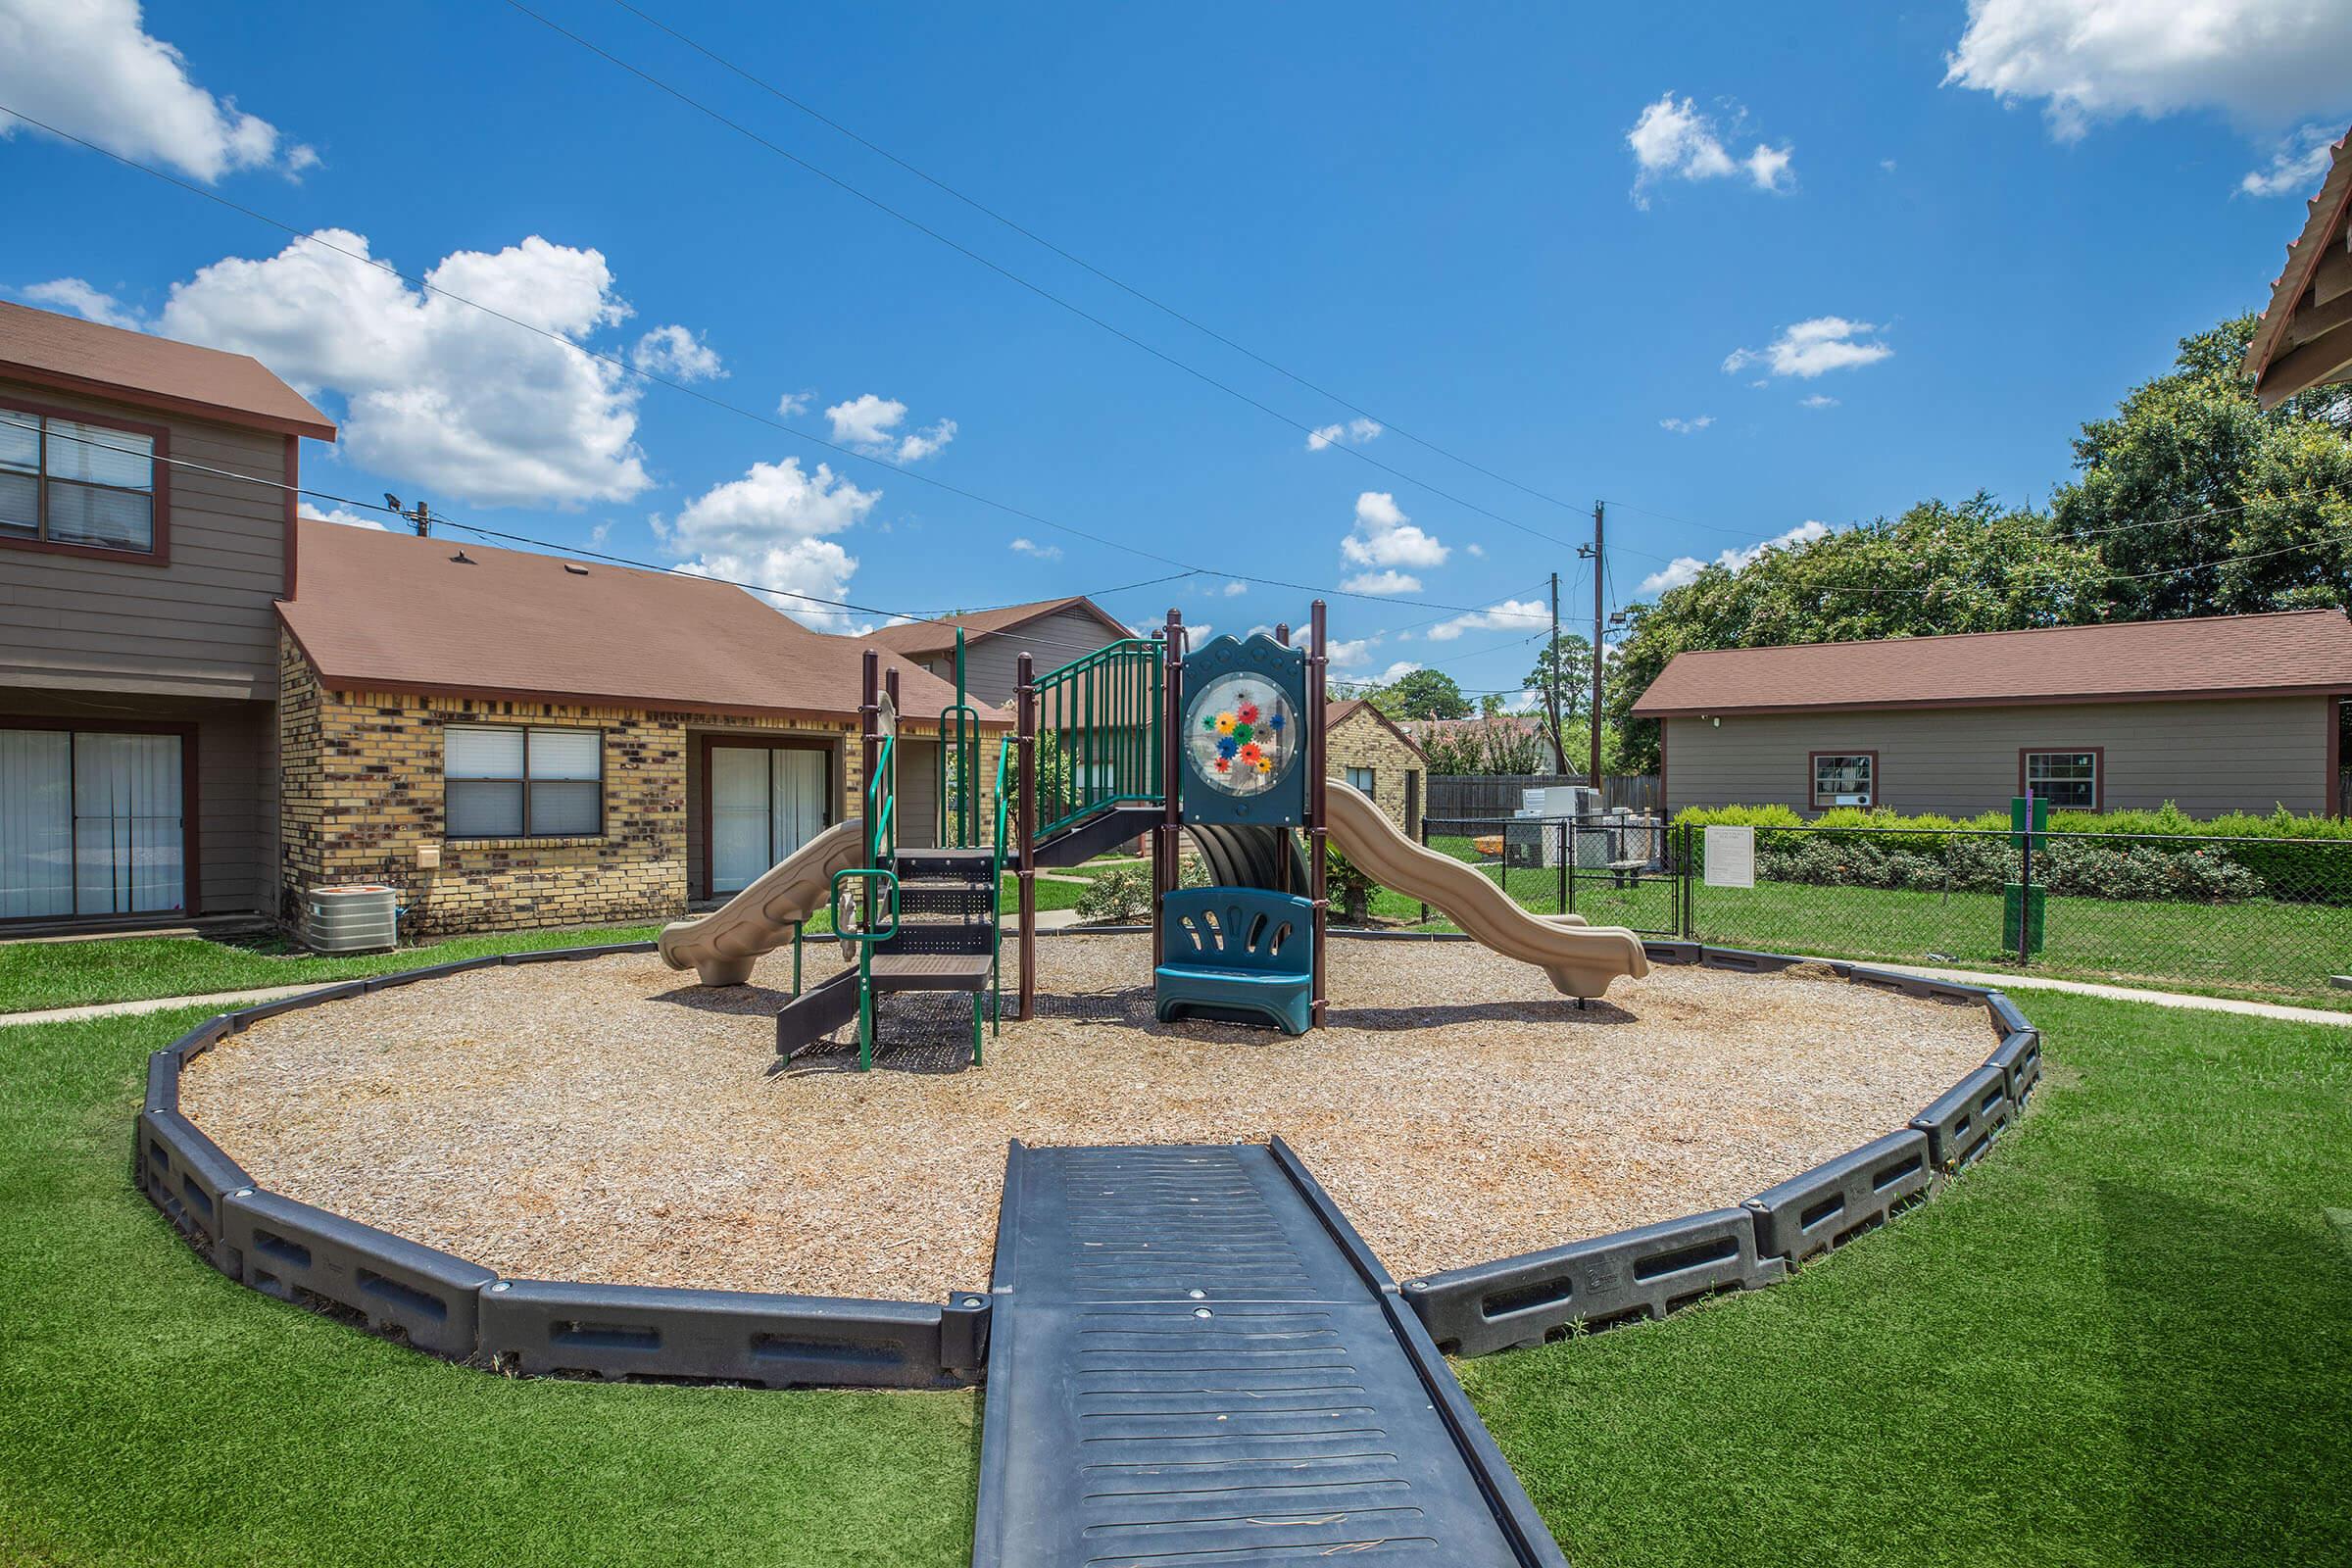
<point x="390" y="612"/>
<point x="919" y="637"/>
<point x="2218" y="656"/>
<point x="152" y="372"/>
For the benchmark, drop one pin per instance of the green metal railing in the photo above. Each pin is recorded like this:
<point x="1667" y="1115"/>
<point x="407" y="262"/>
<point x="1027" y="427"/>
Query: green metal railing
<point x="879" y="874"/>
<point x="1100" y="734"/>
<point x="996" y="899"/>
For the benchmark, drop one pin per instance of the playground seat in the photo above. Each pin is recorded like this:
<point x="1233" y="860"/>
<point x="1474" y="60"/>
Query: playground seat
<point x="1238" y="956"/>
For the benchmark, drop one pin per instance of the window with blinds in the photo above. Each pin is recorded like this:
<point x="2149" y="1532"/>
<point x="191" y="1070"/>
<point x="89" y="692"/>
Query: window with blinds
<point x="502" y="781"/>
<point x="72" y="482"/>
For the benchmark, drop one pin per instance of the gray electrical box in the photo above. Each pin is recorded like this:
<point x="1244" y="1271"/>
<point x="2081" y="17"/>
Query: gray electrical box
<point x="363" y="917"/>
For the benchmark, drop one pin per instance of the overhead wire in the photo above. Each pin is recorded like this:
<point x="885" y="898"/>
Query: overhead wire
<point x="624" y="366"/>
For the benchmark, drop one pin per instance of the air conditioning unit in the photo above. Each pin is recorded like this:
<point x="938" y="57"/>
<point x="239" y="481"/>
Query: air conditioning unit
<point x="359" y="917"/>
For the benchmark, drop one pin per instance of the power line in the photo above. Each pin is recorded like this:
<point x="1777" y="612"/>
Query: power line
<point x="1081" y="262"/>
<point x="1011" y="276"/>
<point x="624" y="367"/>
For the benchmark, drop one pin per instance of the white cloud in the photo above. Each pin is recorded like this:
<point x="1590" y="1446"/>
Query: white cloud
<point x="90" y="68"/>
<point x="1345" y="653"/>
<point x="1686" y="426"/>
<point x="1812" y="347"/>
<point x="1676" y="140"/>
<point x="93" y="304"/>
<point x="1196" y="633"/>
<point x="1512" y="615"/>
<point x="1236" y="588"/>
<point x="349" y="520"/>
<point x="1480" y="551"/>
<point x="1356" y="433"/>
<point x="2297" y="166"/>
<point x="921" y="444"/>
<point x="678" y="354"/>
<point x="1384" y="536"/>
<point x="2262" y="62"/>
<point x="770" y="529"/>
<point x="484" y="411"/>
<point x="1387" y="582"/>
<point x="791" y="405"/>
<point x="871" y="424"/>
<point x="1395" y="672"/>
<point x="600" y="534"/>
<point x="1030" y="546"/>
<point x="1819" y="400"/>
<point x="1685" y="569"/>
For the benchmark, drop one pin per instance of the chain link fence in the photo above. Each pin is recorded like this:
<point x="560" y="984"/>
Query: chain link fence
<point x="2253" y="916"/>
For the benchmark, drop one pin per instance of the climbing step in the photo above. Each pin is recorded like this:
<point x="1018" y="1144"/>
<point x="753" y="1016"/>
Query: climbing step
<point x="1193" y="1359"/>
<point x="931" y="971"/>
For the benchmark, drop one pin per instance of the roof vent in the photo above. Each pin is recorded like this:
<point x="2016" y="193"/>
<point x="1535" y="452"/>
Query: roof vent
<point x="462" y="559"/>
<point x="575" y="569"/>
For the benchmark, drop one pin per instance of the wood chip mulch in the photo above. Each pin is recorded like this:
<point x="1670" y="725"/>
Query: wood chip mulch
<point x="609" y="1120"/>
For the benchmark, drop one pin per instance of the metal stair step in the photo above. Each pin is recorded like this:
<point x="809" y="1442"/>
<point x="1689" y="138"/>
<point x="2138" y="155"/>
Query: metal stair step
<point x="931" y="971"/>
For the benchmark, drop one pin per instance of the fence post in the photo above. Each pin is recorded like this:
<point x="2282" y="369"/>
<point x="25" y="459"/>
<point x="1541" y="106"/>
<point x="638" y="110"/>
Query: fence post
<point x="1688" y="891"/>
<point x="1566" y="860"/>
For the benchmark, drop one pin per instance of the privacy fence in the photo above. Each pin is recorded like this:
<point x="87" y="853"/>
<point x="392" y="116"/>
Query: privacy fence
<point x="2258" y="915"/>
<point x="1468" y="796"/>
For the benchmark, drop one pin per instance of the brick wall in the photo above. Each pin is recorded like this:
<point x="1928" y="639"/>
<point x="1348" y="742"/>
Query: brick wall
<point x="1361" y="740"/>
<point x="363" y="794"/>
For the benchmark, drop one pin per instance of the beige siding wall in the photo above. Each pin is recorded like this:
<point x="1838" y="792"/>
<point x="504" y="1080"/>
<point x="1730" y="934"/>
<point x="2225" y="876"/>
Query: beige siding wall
<point x="990" y="662"/>
<point x="201" y="625"/>
<point x="2208" y="757"/>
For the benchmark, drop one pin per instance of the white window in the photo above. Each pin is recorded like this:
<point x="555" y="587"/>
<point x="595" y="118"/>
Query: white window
<point x="2068" y="780"/>
<point x="1844" y="778"/>
<point x="510" y="782"/>
<point x="72" y="483"/>
<point x="1360" y="778"/>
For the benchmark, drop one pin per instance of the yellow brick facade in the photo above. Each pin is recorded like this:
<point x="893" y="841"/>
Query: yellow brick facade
<point x="1361" y="740"/>
<point x="363" y="797"/>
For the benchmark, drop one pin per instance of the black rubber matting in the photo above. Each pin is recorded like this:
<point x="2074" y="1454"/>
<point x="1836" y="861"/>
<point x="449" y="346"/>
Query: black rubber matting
<point x="1194" y="1360"/>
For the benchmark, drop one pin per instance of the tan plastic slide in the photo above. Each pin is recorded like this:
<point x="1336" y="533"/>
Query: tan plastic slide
<point x="722" y="944"/>
<point x="1582" y="959"/>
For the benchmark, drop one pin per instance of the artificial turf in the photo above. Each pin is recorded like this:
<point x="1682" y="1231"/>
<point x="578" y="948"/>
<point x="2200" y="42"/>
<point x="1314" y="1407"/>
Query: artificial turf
<point x="2120" y="1340"/>
<point x="152" y="1413"/>
<point x="37" y="975"/>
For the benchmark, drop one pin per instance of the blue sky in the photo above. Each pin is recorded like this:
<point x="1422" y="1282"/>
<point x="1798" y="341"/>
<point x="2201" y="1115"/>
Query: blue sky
<point x="1737" y="273"/>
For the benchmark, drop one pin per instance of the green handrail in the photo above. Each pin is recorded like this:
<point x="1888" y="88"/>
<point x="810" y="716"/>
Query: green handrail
<point x="1100" y="723"/>
<point x="959" y="803"/>
<point x="866" y="936"/>
<point x="996" y="899"/>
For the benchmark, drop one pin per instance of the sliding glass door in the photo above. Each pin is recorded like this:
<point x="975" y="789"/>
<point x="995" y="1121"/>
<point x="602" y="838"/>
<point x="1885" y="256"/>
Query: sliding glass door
<point x="90" y="823"/>
<point x="766" y="802"/>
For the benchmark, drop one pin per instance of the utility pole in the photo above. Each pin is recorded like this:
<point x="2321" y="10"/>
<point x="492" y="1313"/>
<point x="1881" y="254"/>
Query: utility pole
<point x="422" y="517"/>
<point x="1599" y="610"/>
<point x="1551" y="682"/>
<point x="1592" y="552"/>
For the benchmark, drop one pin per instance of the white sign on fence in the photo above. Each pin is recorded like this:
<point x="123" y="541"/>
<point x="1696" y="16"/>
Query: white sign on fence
<point x="1731" y="856"/>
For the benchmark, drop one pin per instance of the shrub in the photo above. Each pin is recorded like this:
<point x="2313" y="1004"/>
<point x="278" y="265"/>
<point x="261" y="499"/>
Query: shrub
<point x="1349" y="888"/>
<point x="1123" y="894"/>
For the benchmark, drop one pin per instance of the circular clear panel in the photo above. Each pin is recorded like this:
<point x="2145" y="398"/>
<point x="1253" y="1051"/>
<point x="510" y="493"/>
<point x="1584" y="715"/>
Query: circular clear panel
<point x="1242" y="734"/>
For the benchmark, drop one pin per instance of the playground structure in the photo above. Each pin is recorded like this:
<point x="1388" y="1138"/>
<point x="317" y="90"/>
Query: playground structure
<point x="1223" y="746"/>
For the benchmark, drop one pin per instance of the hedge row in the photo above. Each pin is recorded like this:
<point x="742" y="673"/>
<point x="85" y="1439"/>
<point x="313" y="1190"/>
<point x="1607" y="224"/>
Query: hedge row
<point x="2304" y="859"/>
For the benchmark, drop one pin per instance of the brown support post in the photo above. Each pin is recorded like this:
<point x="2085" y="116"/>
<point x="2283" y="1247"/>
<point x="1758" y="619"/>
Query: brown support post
<point x="1165" y="852"/>
<point x="1282" y="633"/>
<point x="1025" y="826"/>
<point x="1317" y="830"/>
<point x="869" y="739"/>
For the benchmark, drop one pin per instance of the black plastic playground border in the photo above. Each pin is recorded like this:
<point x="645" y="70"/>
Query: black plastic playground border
<point x="452" y="1307"/>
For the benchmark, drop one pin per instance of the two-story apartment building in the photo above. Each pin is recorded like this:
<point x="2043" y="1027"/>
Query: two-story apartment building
<point x="147" y="531"/>
<point x="209" y="705"/>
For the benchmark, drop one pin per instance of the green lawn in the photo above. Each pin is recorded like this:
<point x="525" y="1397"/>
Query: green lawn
<point x="152" y="1413"/>
<point x="2122" y="1339"/>
<point x="2262" y="950"/>
<point x="35" y="975"/>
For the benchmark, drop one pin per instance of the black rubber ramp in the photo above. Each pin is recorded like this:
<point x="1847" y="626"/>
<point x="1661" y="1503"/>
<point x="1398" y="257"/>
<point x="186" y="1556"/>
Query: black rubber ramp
<point x="1195" y="1361"/>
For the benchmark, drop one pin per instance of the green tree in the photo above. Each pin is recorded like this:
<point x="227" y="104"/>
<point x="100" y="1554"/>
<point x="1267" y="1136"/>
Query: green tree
<point x="2201" y="502"/>
<point x="1422" y="694"/>
<point x="1564" y="667"/>
<point x="1937" y="568"/>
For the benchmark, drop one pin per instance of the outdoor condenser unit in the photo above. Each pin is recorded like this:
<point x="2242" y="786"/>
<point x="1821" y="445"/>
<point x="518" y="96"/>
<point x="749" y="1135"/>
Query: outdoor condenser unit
<point x="358" y="918"/>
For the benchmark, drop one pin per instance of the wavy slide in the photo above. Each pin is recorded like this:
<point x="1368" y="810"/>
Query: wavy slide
<point x="1582" y="959"/>
<point x="722" y="944"/>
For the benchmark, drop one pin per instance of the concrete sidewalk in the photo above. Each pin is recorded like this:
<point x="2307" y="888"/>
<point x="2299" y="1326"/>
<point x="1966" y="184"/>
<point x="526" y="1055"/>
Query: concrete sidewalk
<point x="2160" y="998"/>
<point x="219" y="1001"/>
